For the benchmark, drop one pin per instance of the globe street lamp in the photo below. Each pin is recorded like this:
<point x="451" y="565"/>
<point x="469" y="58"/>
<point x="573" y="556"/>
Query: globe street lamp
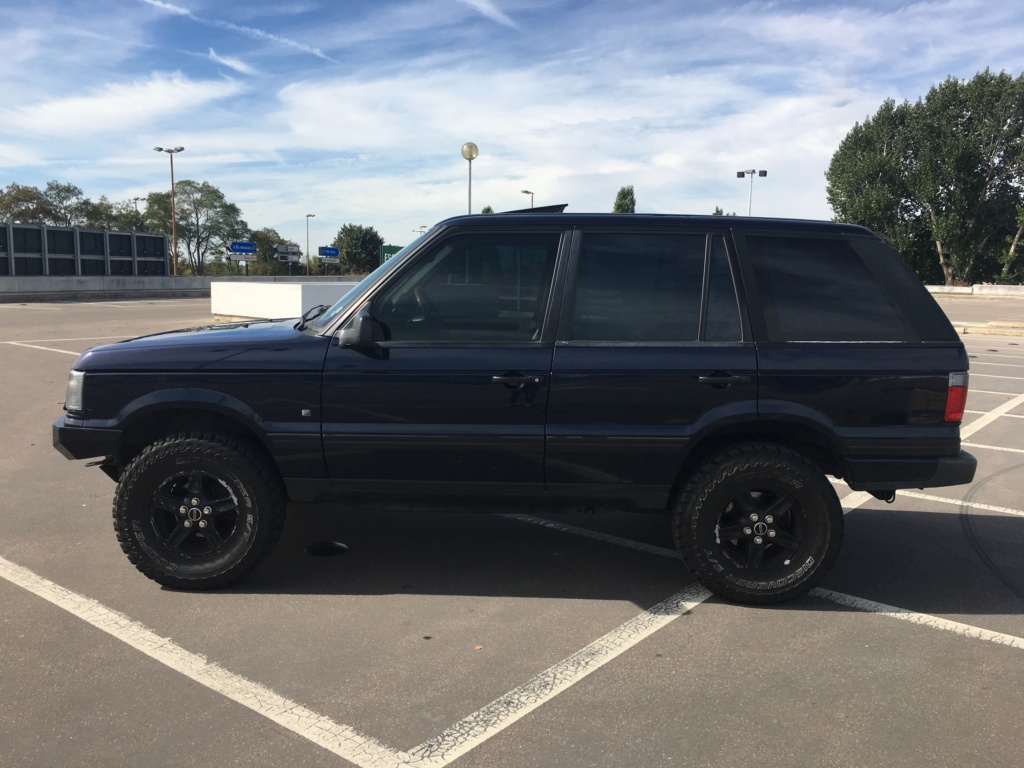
<point x="470" y="151"/>
<point x="308" y="217"/>
<point x="751" y="172"/>
<point x="528" y="192"/>
<point x="174" y="226"/>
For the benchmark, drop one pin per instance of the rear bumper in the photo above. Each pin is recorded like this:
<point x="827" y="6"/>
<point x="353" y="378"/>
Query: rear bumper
<point x="894" y="474"/>
<point x="75" y="441"/>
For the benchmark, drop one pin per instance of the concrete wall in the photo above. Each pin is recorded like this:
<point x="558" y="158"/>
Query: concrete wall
<point x="977" y="290"/>
<point x="43" y="288"/>
<point x="270" y="300"/>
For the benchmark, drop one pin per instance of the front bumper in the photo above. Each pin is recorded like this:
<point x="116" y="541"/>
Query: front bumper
<point x="894" y="474"/>
<point x="74" y="440"/>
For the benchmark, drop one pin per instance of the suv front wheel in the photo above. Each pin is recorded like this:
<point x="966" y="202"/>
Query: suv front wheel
<point x="196" y="511"/>
<point x="758" y="524"/>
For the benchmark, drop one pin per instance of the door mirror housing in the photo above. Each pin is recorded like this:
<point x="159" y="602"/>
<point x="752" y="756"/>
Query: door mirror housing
<point x="358" y="334"/>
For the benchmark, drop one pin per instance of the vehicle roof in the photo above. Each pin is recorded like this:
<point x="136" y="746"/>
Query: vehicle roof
<point x="567" y="220"/>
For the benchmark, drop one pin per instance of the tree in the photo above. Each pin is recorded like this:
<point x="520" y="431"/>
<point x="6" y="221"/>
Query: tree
<point x="359" y="247"/>
<point x="940" y="179"/>
<point x="121" y="217"/>
<point x="267" y="263"/>
<point x="487" y="209"/>
<point x="66" y="205"/>
<point x="206" y="221"/>
<point x="720" y="212"/>
<point x="20" y="204"/>
<point x="625" y="201"/>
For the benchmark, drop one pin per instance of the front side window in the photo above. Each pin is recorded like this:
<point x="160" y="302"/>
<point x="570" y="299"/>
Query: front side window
<point x="649" y="287"/>
<point x="490" y="287"/>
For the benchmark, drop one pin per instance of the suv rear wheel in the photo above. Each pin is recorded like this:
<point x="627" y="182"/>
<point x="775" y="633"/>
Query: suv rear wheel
<point x="197" y="511"/>
<point x="758" y="524"/>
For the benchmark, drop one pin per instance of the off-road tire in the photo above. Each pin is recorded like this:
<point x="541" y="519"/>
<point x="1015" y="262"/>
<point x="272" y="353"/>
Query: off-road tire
<point x="758" y="524"/>
<point x="233" y="527"/>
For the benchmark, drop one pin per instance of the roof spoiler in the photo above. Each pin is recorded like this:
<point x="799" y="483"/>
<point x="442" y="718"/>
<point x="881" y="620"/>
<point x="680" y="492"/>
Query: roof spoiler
<point x="559" y="208"/>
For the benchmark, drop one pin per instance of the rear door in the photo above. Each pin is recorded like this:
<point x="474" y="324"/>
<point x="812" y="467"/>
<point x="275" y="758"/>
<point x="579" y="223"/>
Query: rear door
<point x="652" y="350"/>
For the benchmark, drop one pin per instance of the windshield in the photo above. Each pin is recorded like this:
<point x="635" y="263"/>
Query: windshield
<point x="345" y="301"/>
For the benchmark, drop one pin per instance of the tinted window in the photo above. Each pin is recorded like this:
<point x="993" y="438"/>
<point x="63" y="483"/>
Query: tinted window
<point x="638" y="287"/>
<point x="487" y="287"/>
<point x="818" y="289"/>
<point x="723" y="317"/>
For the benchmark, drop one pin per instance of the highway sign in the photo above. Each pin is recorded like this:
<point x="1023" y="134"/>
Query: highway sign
<point x="288" y="248"/>
<point x="387" y="251"/>
<point x="242" y="246"/>
<point x="242" y="256"/>
<point x="326" y="250"/>
<point x="330" y="260"/>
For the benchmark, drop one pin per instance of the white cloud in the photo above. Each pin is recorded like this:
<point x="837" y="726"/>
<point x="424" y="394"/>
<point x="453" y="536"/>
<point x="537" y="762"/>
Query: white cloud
<point x="251" y="32"/>
<point x="119" y="108"/>
<point x="488" y="9"/>
<point x="232" y="63"/>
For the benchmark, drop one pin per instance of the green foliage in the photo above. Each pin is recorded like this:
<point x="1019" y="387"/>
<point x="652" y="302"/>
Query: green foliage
<point x="206" y="221"/>
<point x="719" y="212"/>
<point x="625" y="201"/>
<point x="22" y="205"/>
<point x="940" y="179"/>
<point x="267" y="263"/>
<point x="359" y="247"/>
<point x="487" y="209"/>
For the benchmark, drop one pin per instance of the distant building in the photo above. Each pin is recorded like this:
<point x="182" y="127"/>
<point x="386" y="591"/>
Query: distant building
<point x="37" y="249"/>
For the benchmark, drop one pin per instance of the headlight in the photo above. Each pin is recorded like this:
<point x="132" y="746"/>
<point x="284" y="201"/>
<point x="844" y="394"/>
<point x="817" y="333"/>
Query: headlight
<point x="76" y="383"/>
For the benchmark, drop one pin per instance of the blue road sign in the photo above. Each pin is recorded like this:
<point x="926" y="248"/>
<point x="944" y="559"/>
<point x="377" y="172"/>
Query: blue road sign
<point x="326" y="250"/>
<point x="242" y="246"/>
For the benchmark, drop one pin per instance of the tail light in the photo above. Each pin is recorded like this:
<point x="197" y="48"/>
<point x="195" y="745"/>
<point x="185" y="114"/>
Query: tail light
<point x="956" y="396"/>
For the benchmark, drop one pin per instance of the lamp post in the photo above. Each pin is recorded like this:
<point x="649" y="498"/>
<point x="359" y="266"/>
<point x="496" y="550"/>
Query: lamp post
<point x="470" y="151"/>
<point x="751" y="172"/>
<point x="528" y="192"/>
<point x="308" y="217"/>
<point x="174" y="226"/>
<point x="136" y="201"/>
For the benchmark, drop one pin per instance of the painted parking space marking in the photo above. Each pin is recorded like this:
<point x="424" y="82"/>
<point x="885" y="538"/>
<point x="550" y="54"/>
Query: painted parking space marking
<point x="997" y="447"/>
<point x="340" y="739"/>
<point x="962" y="503"/>
<point x="991" y="416"/>
<point x="45" y="349"/>
<point x="923" y="619"/>
<point x="74" y="338"/>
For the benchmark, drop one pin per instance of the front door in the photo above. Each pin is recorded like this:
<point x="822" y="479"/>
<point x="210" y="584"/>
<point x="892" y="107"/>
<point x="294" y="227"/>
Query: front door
<point x="454" y="391"/>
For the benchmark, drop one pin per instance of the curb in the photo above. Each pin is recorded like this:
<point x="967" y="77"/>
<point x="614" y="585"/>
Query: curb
<point x="989" y="329"/>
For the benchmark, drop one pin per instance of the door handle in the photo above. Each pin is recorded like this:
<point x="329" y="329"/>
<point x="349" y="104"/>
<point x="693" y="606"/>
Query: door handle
<point x="516" y="380"/>
<point x="723" y="379"/>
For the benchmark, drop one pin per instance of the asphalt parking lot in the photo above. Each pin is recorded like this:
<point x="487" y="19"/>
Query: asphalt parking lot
<point x="503" y="640"/>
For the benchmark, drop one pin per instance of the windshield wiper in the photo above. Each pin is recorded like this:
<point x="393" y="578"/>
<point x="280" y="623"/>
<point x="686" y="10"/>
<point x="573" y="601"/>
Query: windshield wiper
<point x="311" y="314"/>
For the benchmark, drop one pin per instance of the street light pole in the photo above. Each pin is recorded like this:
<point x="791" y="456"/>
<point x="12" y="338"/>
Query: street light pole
<point x="174" y="218"/>
<point x="751" y="173"/>
<point x="528" y="192"/>
<point x="308" y="217"/>
<point x="470" y="151"/>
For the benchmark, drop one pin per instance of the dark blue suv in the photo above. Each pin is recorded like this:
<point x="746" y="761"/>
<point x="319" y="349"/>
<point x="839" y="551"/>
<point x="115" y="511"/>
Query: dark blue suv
<point x="716" y="369"/>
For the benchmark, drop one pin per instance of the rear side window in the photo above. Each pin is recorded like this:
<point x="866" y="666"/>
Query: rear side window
<point x="819" y="289"/>
<point x="638" y="287"/>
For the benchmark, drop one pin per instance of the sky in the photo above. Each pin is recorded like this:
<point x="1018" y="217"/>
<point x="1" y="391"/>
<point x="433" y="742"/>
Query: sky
<point x="356" y="110"/>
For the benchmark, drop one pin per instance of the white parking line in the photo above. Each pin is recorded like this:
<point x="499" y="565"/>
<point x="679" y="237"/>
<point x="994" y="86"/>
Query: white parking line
<point x="339" y="739"/>
<point x="934" y="622"/>
<point x="991" y="416"/>
<point x="997" y="447"/>
<point x="75" y="338"/>
<point x="342" y="740"/>
<point x="962" y="503"/>
<point x="36" y="346"/>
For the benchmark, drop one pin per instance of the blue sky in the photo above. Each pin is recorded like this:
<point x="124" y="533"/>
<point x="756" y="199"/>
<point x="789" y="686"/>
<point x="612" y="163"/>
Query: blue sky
<point x="356" y="111"/>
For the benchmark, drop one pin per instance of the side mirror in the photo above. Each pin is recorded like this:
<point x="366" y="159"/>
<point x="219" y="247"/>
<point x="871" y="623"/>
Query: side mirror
<point x="359" y="332"/>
